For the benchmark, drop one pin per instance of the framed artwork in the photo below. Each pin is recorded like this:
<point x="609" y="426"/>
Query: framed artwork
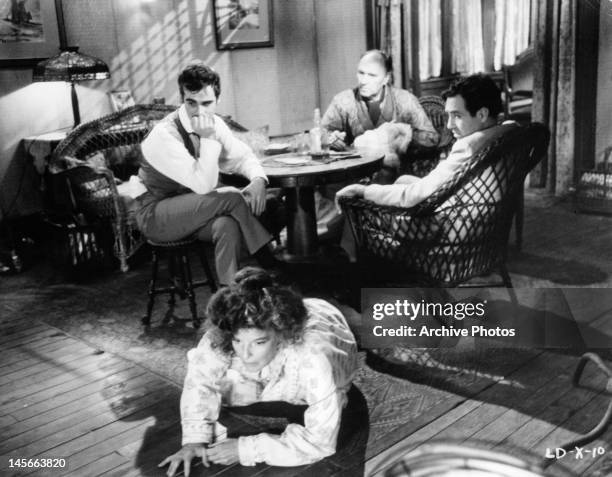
<point x="243" y="23"/>
<point x="121" y="99"/>
<point x="29" y="31"/>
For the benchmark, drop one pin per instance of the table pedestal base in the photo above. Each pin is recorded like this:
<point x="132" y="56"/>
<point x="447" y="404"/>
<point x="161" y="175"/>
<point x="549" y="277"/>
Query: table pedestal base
<point x="302" y="240"/>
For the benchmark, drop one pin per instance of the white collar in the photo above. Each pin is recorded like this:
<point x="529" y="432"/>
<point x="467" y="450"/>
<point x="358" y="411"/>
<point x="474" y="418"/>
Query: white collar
<point x="184" y="118"/>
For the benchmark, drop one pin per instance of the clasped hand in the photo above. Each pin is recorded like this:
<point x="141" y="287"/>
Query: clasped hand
<point x="224" y="452"/>
<point x="204" y="125"/>
<point x="336" y="139"/>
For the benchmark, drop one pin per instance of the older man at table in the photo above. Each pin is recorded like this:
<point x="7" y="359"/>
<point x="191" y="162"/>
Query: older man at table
<point x="472" y="105"/>
<point x="376" y="114"/>
<point x="183" y="155"/>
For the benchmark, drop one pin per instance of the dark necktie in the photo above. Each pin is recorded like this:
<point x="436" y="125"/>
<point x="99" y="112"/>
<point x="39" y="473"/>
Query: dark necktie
<point x="195" y="141"/>
<point x="374" y="111"/>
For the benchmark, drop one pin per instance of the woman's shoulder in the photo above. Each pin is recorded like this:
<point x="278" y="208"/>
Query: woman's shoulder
<point x="318" y="304"/>
<point x="326" y="328"/>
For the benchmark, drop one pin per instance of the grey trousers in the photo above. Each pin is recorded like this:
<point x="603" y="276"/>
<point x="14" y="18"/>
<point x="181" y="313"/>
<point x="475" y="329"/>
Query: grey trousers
<point x="221" y="216"/>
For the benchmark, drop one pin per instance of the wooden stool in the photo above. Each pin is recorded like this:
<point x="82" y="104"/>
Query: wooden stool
<point x="180" y="273"/>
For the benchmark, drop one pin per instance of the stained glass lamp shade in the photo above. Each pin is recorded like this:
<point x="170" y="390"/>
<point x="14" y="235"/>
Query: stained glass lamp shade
<point x="71" y="66"/>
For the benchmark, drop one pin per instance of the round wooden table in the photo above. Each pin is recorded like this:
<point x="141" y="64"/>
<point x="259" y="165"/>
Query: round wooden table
<point x="298" y="175"/>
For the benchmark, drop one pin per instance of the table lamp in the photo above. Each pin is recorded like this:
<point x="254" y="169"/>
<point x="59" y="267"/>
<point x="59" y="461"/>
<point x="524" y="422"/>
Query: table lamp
<point x="70" y="65"/>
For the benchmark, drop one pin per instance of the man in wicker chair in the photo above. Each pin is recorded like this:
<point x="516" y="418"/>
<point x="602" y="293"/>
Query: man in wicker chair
<point x="378" y="114"/>
<point x="180" y="197"/>
<point x="473" y="105"/>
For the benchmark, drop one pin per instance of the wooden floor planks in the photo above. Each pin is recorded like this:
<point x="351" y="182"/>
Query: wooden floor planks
<point x="107" y="416"/>
<point x="512" y="425"/>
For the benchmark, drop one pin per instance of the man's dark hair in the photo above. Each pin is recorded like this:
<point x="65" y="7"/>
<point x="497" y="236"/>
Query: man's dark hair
<point x="478" y="91"/>
<point x="197" y="76"/>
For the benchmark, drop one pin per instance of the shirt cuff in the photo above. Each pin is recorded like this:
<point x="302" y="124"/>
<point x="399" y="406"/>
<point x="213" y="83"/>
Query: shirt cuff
<point x="196" y="433"/>
<point x="261" y="177"/>
<point x="248" y="451"/>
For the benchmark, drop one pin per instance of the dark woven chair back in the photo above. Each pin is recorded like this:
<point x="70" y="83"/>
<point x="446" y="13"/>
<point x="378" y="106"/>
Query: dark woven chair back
<point x="419" y="162"/>
<point x="434" y="107"/>
<point x="461" y="231"/>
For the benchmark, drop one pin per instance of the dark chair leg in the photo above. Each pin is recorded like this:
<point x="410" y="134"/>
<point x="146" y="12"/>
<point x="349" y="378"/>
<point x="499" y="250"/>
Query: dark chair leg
<point x="503" y="271"/>
<point x="207" y="270"/>
<point x="172" y="271"/>
<point x="155" y="263"/>
<point x="189" y="288"/>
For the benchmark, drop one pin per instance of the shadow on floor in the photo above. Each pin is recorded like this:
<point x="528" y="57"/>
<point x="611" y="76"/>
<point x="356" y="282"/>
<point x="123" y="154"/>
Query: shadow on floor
<point x="563" y="272"/>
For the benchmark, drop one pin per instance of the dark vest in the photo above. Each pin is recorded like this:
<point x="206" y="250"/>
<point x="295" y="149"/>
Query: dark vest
<point x="159" y="185"/>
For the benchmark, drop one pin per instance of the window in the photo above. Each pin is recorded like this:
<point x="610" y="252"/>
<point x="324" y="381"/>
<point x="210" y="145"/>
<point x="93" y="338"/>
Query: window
<point x="448" y="37"/>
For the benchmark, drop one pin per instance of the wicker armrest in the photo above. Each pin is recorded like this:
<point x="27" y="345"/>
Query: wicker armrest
<point x="92" y="190"/>
<point x="384" y="231"/>
<point x="356" y="203"/>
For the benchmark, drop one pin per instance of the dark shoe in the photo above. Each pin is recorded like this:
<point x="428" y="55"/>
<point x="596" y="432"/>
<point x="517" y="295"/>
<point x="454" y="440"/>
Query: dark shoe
<point x="266" y="258"/>
<point x="274" y="218"/>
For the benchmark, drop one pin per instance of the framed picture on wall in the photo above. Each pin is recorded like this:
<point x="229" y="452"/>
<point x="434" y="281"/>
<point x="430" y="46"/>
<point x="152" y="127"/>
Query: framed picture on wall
<point x="28" y="31"/>
<point x="121" y="99"/>
<point x="243" y="23"/>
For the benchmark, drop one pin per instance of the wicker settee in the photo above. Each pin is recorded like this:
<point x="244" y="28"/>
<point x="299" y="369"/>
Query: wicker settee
<point x="459" y="232"/>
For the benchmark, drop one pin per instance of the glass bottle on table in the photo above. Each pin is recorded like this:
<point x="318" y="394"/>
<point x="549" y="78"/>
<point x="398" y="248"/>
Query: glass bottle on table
<point x="317" y="136"/>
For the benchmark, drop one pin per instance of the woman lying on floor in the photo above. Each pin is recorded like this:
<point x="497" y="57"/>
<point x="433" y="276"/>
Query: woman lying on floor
<point x="266" y="344"/>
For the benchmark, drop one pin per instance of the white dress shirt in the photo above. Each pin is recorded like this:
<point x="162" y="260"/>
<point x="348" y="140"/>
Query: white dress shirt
<point x="317" y="371"/>
<point x="165" y="151"/>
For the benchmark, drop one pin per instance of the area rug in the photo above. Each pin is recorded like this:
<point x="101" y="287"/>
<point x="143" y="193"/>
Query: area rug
<point x="106" y="313"/>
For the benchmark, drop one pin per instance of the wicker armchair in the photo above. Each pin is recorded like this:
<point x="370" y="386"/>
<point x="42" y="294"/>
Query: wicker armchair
<point x="461" y="231"/>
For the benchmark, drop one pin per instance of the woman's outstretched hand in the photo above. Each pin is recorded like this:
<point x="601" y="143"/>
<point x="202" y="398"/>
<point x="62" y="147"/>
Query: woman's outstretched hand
<point x="185" y="456"/>
<point x="224" y="452"/>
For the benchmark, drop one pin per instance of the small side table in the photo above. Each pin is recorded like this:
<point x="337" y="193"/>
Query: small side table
<point x="40" y="147"/>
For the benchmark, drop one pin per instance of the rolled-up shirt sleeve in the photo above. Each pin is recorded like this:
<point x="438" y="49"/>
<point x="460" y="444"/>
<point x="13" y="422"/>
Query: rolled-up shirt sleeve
<point x="201" y="397"/>
<point x="316" y="439"/>
<point x="165" y="151"/>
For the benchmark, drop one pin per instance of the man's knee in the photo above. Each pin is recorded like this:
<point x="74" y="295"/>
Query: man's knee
<point x="232" y="197"/>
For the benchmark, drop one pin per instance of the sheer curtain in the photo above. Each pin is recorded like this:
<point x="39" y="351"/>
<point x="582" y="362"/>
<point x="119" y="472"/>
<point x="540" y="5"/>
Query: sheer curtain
<point x="430" y="38"/>
<point x="466" y="37"/>
<point x="390" y="39"/>
<point x="511" y="30"/>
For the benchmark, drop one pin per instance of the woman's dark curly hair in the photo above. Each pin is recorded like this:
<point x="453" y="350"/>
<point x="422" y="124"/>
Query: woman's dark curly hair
<point x="255" y="299"/>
